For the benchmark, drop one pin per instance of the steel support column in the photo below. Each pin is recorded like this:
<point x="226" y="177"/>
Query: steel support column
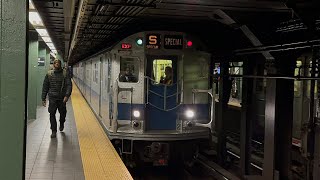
<point x="33" y="74"/>
<point x="316" y="164"/>
<point x="246" y="119"/>
<point x="311" y="122"/>
<point x="269" y="141"/>
<point x="284" y="117"/>
<point x="13" y="79"/>
<point x="224" y="94"/>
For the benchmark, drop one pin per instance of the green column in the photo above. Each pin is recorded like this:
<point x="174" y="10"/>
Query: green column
<point x="33" y="74"/>
<point x="12" y="88"/>
<point x="42" y="70"/>
<point x="47" y="59"/>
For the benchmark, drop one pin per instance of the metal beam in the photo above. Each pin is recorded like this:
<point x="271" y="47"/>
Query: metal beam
<point x="228" y="5"/>
<point x="81" y="11"/>
<point x="116" y="16"/>
<point x="224" y="94"/>
<point x="68" y="8"/>
<point x="246" y="119"/>
<point x="127" y="5"/>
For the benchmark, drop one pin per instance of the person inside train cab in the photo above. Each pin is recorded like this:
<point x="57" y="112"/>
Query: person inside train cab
<point x="57" y="85"/>
<point x="168" y="79"/>
<point x="127" y="76"/>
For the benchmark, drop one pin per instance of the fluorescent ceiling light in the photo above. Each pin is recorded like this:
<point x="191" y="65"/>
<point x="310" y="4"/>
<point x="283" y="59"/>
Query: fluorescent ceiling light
<point x="35" y="19"/>
<point x="43" y="32"/>
<point x="47" y="39"/>
<point x="50" y="45"/>
<point x="37" y="23"/>
<point x="53" y="54"/>
<point x="31" y="6"/>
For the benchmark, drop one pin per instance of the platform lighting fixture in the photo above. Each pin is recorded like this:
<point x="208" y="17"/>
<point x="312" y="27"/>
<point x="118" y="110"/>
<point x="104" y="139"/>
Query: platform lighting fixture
<point x="37" y="23"/>
<point x="53" y="54"/>
<point x="35" y="19"/>
<point x="31" y="6"/>
<point x="47" y="39"/>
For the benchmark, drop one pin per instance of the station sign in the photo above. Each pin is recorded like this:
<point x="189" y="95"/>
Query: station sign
<point x="173" y="41"/>
<point x="153" y="41"/>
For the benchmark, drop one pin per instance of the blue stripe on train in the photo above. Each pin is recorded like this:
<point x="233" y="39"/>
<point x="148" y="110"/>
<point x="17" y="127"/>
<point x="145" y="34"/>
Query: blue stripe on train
<point x="201" y="110"/>
<point x="124" y="110"/>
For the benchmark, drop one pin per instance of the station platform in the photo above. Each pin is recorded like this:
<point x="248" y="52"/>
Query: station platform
<point x="81" y="151"/>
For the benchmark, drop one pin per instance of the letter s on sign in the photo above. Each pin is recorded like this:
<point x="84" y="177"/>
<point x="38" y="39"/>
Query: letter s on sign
<point x="153" y="39"/>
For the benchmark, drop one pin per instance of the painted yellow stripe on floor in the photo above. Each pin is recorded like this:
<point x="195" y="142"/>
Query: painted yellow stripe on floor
<point x="99" y="158"/>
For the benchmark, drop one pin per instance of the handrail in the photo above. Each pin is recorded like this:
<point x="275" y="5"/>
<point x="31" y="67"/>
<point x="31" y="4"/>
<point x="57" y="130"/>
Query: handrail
<point x="212" y="118"/>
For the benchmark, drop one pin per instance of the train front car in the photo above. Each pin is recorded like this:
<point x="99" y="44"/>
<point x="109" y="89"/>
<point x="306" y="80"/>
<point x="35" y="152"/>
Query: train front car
<point x="161" y="98"/>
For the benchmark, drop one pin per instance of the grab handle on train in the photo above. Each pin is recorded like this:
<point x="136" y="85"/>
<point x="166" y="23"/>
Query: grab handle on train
<point x="210" y="124"/>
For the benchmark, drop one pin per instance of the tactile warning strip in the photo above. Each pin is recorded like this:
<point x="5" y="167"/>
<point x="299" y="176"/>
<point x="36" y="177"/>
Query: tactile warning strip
<point x="99" y="158"/>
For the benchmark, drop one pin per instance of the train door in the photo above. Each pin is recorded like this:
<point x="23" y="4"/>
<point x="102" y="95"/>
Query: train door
<point x="90" y="79"/>
<point x="101" y="85"/>
<point x="161" y="112"/>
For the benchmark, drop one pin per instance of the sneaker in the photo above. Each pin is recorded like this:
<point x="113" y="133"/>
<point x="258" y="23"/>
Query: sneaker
<point x="53" y="135"/>
<point x="61" y="126"/>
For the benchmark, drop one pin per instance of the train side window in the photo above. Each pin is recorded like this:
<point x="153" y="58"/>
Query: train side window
<point x="297" y="84"/>
<point x="162" y="71"/>
<point x="129" y="69"/>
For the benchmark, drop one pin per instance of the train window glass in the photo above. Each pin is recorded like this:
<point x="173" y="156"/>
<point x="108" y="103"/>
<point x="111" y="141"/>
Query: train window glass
<point x="162" y="71"/>
<point x="95" y="75"/>
<point x="109" y="75"/>
<point x="236" y="68"/>
<point x="297" y="84"/>
<point x="309" y="81"/>
<point x="129" y="69"/>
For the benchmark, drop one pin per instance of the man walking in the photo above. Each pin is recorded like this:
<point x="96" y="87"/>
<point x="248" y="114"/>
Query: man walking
<point x="57" y="84"/>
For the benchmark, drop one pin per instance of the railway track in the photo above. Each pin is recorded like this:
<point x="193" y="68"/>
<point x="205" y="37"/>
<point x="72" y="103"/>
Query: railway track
<point x="202" y="169"/>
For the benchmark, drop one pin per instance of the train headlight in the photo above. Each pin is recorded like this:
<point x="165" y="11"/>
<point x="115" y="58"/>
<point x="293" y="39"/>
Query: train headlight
<point x="189" y="114"/>
<point x="136" y="114"/>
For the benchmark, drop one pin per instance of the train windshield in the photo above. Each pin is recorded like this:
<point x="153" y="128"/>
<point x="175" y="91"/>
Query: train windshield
<point x="162" y="71"/>
<point x="129" y="69"/>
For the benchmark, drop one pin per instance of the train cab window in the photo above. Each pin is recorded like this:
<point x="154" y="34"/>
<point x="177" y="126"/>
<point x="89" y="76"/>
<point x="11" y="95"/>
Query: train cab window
<point x="129" y="70"/>
<point x="162" y="71"/>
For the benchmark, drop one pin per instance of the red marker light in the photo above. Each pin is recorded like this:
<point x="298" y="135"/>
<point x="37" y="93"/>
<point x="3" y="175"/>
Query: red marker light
<point x="189" y="43"/>
<point x="126" y="46"/>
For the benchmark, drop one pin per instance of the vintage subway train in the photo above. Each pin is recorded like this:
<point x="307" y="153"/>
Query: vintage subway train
<point x="151" y="93"/>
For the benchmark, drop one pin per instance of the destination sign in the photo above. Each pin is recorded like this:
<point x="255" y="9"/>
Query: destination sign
<point x="173" y="41"/>
<point x="153" y="41"/>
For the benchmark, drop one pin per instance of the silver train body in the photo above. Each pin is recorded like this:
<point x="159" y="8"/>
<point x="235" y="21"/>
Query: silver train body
<point x="144" y="117"/>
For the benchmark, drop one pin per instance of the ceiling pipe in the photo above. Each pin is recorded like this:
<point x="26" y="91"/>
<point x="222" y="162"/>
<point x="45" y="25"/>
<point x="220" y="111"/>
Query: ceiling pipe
<point x="81" y="12"/>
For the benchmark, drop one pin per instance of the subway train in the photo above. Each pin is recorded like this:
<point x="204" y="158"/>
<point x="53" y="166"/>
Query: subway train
<point x="152" y="95"/>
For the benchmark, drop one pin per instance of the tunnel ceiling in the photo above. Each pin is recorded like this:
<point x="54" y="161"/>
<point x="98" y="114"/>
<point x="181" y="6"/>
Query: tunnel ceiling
<point x="101" y="23"/>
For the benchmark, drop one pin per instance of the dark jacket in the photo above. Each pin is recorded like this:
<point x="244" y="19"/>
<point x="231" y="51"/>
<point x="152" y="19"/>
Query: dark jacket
<point x="56" y="85"/>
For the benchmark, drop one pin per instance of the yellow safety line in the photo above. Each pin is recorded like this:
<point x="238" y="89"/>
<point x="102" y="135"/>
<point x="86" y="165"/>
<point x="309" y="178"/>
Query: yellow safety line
<point x="99" y="158"/>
